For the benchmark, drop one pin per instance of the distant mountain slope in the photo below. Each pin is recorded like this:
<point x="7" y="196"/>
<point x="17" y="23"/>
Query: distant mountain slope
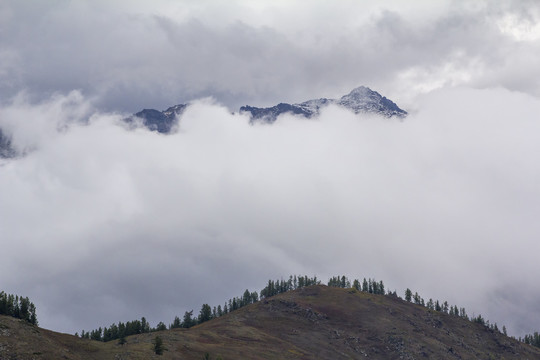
<point x="6" y="150"/>
<point x="160" y="121"/>
<point x="359" y="100"/>
<point x="316" y="322"/>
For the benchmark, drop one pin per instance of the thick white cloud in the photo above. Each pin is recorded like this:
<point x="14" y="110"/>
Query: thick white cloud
<point x="102" y="224"/>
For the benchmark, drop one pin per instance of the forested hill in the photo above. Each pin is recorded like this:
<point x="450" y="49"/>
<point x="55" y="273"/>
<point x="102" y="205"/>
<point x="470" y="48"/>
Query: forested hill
<point x="312" y="322"/>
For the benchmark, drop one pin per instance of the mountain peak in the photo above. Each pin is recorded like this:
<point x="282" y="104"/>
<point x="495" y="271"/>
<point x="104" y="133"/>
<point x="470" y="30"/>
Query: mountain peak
<point x="363" y="99"/>
<point x="362" y="90"/>
<point x="360" y="100"/>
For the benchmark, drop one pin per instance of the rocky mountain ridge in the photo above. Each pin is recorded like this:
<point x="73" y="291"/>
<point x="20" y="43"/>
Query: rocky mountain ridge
<point x="360" y="100"/>
<point x="160" y="121"/>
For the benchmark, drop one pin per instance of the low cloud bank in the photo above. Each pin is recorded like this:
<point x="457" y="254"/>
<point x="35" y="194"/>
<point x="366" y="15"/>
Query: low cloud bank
<point x="102" y="224"/>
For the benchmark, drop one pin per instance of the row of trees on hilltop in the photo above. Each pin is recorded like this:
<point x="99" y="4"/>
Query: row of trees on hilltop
<point x="206" y="313"/>
<point x="120" y="331"/>
<point x="282" y="286"/>
<point x="532" y="339"/>
<point x="437" y="306"/>
<point x="370" y="285"/>
<point x="18" y="306"/>
<point x="451" y="310"/>
<point x="275" y="287"/>
<point x="377" y="287"/>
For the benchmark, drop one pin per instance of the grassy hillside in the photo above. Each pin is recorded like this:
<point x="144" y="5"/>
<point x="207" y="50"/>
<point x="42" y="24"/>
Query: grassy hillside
<point x="316" y="322"/>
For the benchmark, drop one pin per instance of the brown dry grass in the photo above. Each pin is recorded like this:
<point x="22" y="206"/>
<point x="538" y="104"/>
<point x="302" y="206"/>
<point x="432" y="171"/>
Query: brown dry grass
<point x="310" y="323"/>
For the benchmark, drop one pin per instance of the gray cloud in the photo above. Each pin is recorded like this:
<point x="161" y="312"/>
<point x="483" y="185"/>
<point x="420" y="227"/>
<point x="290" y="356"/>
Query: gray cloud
<point x="130" y="56"/>
<point x="103" y="224"/>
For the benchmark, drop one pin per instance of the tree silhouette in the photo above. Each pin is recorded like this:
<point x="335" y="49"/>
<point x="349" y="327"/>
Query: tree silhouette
<point x="157" y="346"/>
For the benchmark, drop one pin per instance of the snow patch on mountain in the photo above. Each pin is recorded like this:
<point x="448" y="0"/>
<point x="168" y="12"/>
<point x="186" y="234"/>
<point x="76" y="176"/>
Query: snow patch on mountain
<point x="359" y="100"/>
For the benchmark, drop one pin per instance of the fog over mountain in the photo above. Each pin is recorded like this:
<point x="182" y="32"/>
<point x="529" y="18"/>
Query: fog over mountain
<point x="102" y="223"/>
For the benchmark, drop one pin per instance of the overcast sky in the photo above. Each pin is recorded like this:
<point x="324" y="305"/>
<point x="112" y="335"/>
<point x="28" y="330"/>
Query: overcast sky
<point x="101" y="224"/>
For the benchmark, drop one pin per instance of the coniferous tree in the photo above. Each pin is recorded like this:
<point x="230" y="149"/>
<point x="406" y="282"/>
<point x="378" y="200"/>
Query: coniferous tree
<point x="205" y="313"/>
<point x="24" y="308"/>
<point x="479" y="319"/>
<point x="408" y="295"/>
<point x="176" y="323"/>
<point x="463" y="313"/>
<point x="445" y="307"/>
<point x="333" y="281"/>
<point x="122" y="340"/>
<point x="254" y="297"/>
<point x="122" y="330"/>
<point x="10" y="305"/>
<point x="113" y="330"/>
<point x="96" y="334"/>
<point x="374" y="287"/>
<point x="161" y="326"/>
<point x="3" y="303"/>
<point x="18" y="306"/>
<point x="381" y="287"/>
<point x="188" y="319"/>
<point x="157" y="346"/>
<point x="106" y="335"/>
<point x="246" y="298"/>
<point x="145" y="326"/>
